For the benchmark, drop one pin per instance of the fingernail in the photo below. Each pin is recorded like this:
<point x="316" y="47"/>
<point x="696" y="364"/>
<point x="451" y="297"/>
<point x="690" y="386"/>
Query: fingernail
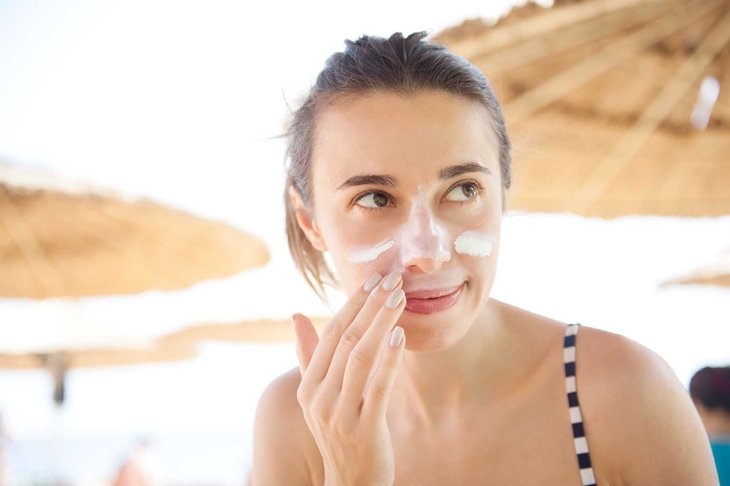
<point x="372" y="282"/>
<point x="391" y="280"/>
<point x="395" y="299"/>
<point x="396" y="336"/>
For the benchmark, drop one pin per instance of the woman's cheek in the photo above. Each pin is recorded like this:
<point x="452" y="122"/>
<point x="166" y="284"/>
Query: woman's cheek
<point x="354" y="262"/>
<point x="365" y="260"/>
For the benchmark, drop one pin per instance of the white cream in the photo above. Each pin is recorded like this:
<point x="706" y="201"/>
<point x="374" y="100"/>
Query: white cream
<point x="422" y="236"/>
<point x="474" y="243"/>
<point x="370" y="253"/>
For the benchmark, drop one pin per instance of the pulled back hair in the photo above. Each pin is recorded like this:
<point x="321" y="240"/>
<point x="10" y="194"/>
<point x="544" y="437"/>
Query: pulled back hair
<point x="711" y="387"/>
<point x="401" y="65"/>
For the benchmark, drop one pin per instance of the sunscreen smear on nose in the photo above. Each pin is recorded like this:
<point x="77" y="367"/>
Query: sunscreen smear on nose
<point x="474" y="243"/>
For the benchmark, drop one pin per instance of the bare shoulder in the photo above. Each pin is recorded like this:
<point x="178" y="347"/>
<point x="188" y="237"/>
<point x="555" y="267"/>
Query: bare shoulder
<point x="613" y="360"/>
<point x="282" y="441"/>
<point x="281" y="393"/>
<point x="641" y="425"/>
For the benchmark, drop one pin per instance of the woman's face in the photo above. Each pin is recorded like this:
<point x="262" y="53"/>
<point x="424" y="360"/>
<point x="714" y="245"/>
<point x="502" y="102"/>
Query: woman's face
<point x="410" y="184"/>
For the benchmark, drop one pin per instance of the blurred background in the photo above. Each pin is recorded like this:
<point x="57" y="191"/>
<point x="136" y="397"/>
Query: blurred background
<point x="145" y="282"/>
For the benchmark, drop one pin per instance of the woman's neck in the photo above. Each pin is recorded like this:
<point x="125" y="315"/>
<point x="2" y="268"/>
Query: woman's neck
<point x="435" y="388"/>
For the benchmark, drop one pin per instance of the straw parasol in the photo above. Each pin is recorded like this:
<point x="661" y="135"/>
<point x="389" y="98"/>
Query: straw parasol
<point x="73" y="243"/>
<point x="60" y="239"/>
<point x="176" y="346"/>
<point x="58" y="363"/>
<point x="259" y="331"/>
<point x="89" y="358"/>
<point x="715" y="272"/>
<point x="614" y="106"/>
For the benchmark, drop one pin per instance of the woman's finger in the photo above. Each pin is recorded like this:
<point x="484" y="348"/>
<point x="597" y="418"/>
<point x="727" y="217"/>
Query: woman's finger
<point x="358" y="371"/>
<point x="348" y="354"/>
<point x="306" y="340"/>
<point x="378" y="392"/>
<point x="322" y="357"/>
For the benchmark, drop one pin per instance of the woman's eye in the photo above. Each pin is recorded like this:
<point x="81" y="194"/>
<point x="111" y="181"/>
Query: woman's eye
<point x="464" y="192"/>
<point x="373" y="200"/>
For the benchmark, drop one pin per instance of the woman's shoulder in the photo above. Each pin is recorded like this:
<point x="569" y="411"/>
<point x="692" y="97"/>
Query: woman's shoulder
<point x="283" y="388"/>
<point x="620" y="361"/>
<point x="622" y="375"/>
<point x="639" y="420"/>
<point x="280" y="426"/>
<point x="279" y="400"/>
<point x="607" y="364"/>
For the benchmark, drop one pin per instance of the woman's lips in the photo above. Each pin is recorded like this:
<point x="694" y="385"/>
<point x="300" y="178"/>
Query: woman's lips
<point x="432" y="300"/>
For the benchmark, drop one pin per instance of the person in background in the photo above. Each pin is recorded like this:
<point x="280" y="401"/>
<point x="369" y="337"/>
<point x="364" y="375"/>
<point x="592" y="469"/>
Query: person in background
<point x="710" y="392"/>
<point x="140" y="468"/>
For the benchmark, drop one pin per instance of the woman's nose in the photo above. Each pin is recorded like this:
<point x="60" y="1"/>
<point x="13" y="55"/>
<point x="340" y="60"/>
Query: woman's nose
<point x="424" y="243"/>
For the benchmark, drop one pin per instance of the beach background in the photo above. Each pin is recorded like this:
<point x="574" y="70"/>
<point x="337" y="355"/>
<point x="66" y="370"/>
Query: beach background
<point x="181" y="103"/>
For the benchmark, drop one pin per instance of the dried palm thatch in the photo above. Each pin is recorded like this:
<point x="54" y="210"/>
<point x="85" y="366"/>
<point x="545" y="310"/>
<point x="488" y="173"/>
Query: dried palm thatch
<point x="715" y="272"/>
<point x="606" y="106"/>
<point x="59" y="362"/>
<point x="91" y="358"/>
<point x="259" y="331"/>
<point x="176" y="346"/>
<point x="56" y="244"/>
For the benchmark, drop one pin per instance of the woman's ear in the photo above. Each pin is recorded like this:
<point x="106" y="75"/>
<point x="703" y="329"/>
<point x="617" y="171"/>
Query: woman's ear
<point x="305" y="220"/>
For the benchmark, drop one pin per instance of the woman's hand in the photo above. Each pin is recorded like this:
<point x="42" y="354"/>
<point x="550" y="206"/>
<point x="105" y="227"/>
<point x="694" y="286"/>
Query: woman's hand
<point x="343" y="394"/>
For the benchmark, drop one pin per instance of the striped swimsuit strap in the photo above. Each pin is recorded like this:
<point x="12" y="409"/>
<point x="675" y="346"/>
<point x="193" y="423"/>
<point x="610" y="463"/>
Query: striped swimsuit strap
<point x="576" y="418"/>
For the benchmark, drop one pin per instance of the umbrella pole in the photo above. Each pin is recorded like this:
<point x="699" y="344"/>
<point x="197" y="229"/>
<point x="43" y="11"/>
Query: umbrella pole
<point x="57" y="364"/>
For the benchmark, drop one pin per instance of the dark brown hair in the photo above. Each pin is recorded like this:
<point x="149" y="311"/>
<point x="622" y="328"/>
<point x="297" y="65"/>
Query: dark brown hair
<point x="402" y="65"/>
<point x="711" y="387"/>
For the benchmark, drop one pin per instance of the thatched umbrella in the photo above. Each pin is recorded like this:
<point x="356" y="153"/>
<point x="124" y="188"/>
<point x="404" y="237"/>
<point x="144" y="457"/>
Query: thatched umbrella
<point x="715" y="272"/>
<point x="262" y="331"/>
<point x="59" y="239"/>
<point x="58" y="363"/>
<point x="71" y="244"/>
<point x="176" y="346"/>
<point x="614" y="107"/>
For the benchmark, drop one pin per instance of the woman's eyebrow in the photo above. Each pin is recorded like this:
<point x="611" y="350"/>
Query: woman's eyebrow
<point x="457" y="170"/>
<point x="369" y="179"/>
<point x="390" y="181"/>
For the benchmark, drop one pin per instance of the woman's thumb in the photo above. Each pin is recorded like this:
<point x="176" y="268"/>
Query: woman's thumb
<point x="306" y="339"/>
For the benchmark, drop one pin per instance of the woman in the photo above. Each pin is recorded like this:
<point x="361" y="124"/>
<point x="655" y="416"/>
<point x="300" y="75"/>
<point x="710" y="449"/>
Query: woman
<point x="399" y="160"/>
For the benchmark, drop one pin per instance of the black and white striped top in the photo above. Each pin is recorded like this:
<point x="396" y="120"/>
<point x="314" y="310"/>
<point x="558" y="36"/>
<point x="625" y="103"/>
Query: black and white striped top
<point x="576" y="419"/>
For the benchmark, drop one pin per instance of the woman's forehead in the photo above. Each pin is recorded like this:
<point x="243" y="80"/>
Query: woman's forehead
<point x="385" y="132"/>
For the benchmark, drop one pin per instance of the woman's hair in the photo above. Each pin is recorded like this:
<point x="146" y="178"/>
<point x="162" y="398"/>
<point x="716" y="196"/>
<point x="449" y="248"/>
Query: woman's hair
<point x="711" y="387"/>
<point x="402" y="65"/>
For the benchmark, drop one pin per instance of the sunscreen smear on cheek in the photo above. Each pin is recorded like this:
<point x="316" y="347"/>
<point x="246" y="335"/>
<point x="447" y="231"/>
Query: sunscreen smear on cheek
<point x="474" y="243"/>
<point x="370" y="253"/>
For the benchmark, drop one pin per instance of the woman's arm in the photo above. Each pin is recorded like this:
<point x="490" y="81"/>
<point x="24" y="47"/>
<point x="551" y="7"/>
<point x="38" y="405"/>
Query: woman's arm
<point x="279" y="436"/>
<point x="639" y="419"/>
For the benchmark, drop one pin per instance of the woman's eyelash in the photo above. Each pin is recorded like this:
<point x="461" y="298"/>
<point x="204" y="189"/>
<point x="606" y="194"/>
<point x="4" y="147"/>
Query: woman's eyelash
<point x="478" y="187"/>
<point x="368" y="194"/>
